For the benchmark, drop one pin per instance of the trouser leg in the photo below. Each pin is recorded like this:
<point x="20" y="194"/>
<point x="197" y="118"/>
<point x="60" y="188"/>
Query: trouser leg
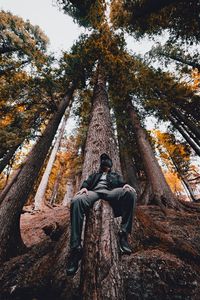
<point x="127" y="200"/>
<point x="128" y="210"/>
<point x="79" y="206"/>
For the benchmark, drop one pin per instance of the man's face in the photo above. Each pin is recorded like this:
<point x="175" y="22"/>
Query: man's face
<point x="106" y="164"/>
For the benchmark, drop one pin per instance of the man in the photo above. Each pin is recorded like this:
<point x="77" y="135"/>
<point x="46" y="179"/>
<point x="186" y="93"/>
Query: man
<point x="108" y="186"/>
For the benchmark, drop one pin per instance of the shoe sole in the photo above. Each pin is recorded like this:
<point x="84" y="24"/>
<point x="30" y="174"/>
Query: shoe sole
<point x="73" y="274"/>
<point x="124" y="252"/>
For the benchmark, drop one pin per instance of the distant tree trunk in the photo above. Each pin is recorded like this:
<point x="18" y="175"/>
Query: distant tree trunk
<point x="146" y="194"/>
<point x="55" y="188"/>
<point x="101" y="275"/>
<point x="187" y="184"/>
<point x="161" y="192"/>
<point x="7" y="157"/>
<point x="184" y="119"/>
<point x="128" y="169"/>
<point x="12" y="204"/>
<point x="184" y="179"/>
<point x="181" y="59"/>
<point x="39" y="202"/>
<point x="69" y="192"/>
<point x="178" y="126"/>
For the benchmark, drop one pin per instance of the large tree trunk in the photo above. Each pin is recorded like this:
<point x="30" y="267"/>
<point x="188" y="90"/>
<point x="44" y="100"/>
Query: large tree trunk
<point x="39" y="202"/>
<point x="13" y="202"/>
<point x="100" y="274"/>
<point x="161" y="192"/>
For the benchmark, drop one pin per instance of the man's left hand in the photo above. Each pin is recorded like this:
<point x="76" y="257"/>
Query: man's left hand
<point x="128" y="187"/>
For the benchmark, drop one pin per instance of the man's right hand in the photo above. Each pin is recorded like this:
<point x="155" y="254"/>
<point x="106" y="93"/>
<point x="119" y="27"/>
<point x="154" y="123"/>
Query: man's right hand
<point x="82" y="191"/>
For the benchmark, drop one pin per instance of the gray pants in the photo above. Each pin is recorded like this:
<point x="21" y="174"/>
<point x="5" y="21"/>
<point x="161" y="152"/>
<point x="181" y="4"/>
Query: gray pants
<point x="81" y="204"/>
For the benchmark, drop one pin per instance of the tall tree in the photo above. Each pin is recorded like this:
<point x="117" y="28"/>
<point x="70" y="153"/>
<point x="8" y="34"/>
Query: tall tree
<point x="11" y="241"/>
<point x="39" y="201"/>
<point x="100" y="139"/>
<point x="161" y="192"/>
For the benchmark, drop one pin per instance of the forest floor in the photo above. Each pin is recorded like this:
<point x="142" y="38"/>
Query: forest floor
<point x="165" y="263"/>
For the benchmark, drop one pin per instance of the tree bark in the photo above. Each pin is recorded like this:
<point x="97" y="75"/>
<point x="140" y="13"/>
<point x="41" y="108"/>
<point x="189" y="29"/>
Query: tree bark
<point x="100" y="274"/>
<point x="69" y="192"/>
<point x="55" y="188"/>
<point x="161" y="192"/>
<point x="39" y="202"/>
<point x="128" y="168"/>
<point x="12" y="204"/>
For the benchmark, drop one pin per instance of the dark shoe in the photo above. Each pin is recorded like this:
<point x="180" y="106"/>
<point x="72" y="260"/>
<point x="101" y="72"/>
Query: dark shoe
<point x="123" y="243"/>
<point x="73" y="260"/>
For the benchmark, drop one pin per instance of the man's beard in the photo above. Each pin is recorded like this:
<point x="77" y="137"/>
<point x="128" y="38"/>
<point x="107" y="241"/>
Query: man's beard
<point x="105" y="168"/>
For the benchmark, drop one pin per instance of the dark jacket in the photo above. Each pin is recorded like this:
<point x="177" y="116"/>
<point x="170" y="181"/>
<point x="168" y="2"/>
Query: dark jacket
<point x="114" y="180"/>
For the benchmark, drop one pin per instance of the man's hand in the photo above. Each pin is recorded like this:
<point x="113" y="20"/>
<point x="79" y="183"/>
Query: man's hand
<point x="128" y="187"/>
<point x="82" y="191"/>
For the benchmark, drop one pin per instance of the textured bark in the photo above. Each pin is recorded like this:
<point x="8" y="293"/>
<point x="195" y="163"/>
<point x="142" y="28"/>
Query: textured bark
<point x="100" y="274"/>
<point x="164" y="265"/>
<point x="161" y="192"/>
<point x="178" y="126"/>
<point x="12" y="204"/>
<point x="40" y="272"/>
<point x="39" y="197"/>
<point x="9" y="184"/>
<point x="128" y="169"/>
<point x="69" y="192"/>
<point x="55" y="187"/>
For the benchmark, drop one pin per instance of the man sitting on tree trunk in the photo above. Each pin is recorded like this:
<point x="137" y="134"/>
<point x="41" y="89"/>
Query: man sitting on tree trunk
<point x="108" y="186"/>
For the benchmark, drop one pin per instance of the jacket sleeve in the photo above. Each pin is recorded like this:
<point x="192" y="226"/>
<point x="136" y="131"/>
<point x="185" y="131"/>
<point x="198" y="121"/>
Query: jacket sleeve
<point x="87" y="183"/>
<point x="121" y="181"/>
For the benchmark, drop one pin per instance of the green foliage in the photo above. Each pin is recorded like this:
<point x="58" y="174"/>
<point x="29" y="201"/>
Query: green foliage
<point x="180" y="18"/>
<point x="87" y="13"/>
<point x="175" y="52"/>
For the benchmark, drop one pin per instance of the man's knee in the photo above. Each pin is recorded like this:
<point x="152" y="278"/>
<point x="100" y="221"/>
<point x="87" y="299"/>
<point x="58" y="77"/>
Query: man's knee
<point x="131" y="194"/>
<point x="77" y="200"/>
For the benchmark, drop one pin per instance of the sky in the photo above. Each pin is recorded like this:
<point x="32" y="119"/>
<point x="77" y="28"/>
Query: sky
<point x="59" y="27"/>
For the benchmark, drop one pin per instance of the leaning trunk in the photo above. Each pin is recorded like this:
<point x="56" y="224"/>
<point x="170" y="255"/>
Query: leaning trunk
<point x="178" y="126"/>
<point x="161" y="192"/>
<point x="101" y="275"/>
<point x="7" y="157"/>
<point x="184" y="118"/>
<point x="191" y="129"/>
<point x="39" y="202"/>
<point x="12" y="204"/>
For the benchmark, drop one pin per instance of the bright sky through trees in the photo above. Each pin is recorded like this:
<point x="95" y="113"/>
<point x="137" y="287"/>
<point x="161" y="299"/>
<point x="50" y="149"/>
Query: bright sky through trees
<point x="60" y="28"/>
